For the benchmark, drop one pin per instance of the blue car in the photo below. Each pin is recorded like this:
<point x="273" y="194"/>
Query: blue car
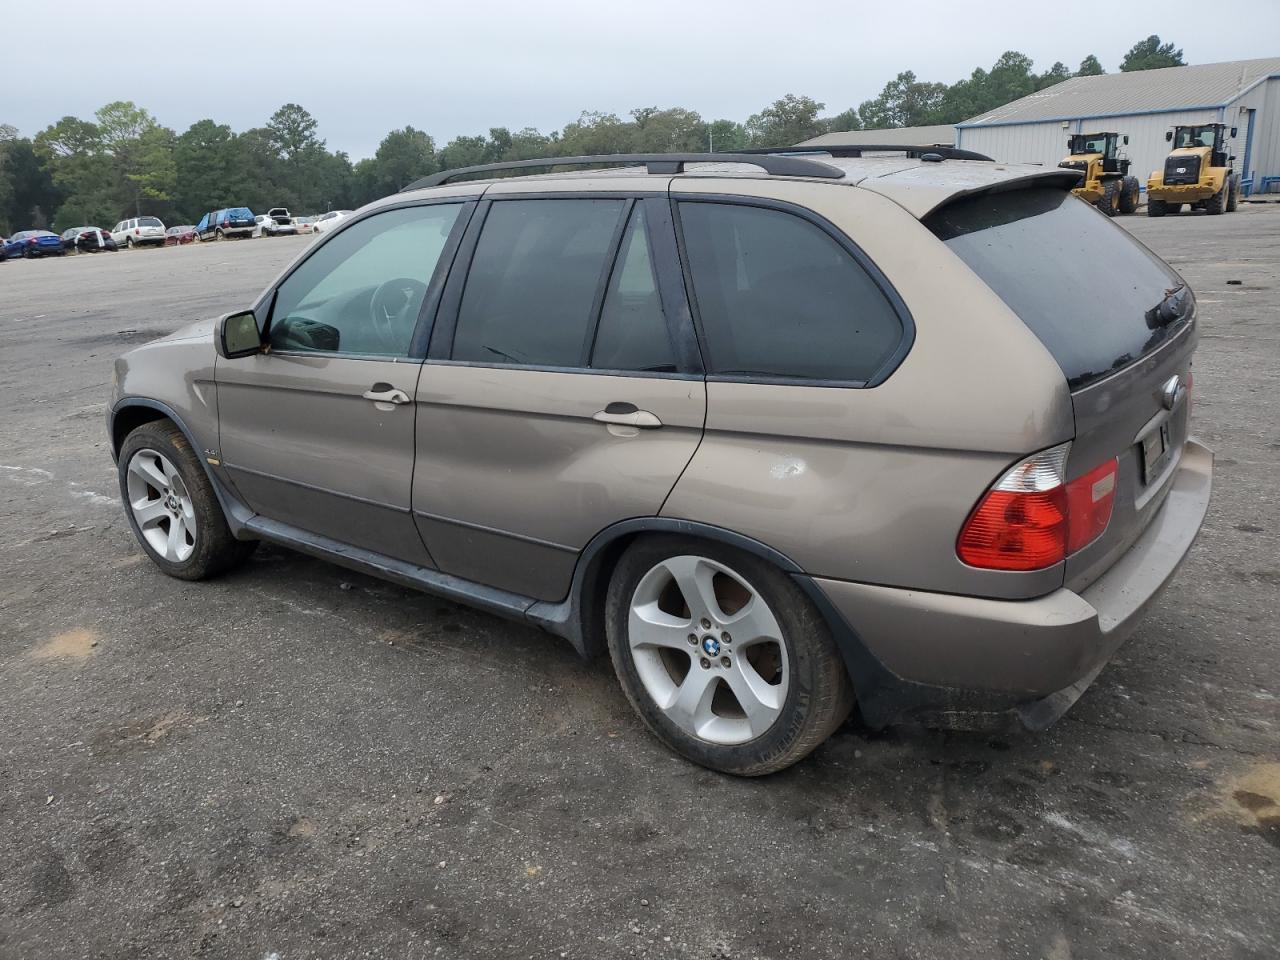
<point x="223" y="224"/>
<point x="33" y="243"/>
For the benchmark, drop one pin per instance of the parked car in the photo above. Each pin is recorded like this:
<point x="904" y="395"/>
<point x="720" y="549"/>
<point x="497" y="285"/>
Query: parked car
<point x="804" y="434"/>
<point x="175" y="236"/>
<point x="233" y="222"/>
<point x="303" y="225"/>
<point x="138" y="232"/>
<point x="277" y="222"/>
<point x="34" y="243"/>
<point x="3" y="255"/>
<point x="327" y="221"/>
<point x="88" y="240"/>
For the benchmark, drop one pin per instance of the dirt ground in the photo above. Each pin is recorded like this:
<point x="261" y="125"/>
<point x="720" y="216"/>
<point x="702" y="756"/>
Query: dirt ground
<point x="295" y="761"/>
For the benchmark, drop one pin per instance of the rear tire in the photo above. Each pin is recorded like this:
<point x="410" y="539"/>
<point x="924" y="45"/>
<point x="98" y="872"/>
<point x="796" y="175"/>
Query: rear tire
<point x="128" y="242"/>
<point x="1109" y="202"/>
<point x="218" y="234"/>
<point x="1156" y="208"/>
<point x="764" y="684"/>
<point x="171" y="505"/>
<point x="1128" y="195"/>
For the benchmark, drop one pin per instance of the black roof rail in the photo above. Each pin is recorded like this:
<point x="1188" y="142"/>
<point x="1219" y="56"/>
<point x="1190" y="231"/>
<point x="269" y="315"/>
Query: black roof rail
<point x="667" y="163"/>
<point x="856" y="150"/>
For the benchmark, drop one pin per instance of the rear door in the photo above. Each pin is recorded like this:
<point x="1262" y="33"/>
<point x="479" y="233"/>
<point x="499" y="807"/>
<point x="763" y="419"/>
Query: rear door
<point x="562" y="391"/>
<point x="318" y="433"/>
<point x="1121" y="325"/>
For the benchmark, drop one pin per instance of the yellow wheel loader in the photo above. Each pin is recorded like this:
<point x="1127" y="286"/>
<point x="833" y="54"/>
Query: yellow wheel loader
<point x="1197" y="172"/>
<point x="1107" y="184"/>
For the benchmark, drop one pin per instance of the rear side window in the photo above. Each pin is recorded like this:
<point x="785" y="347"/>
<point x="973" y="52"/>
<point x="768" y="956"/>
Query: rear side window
<point x="1082" y="284"/>
<point x="533" y="281"/>
<point x="778" y="297"/>
<point x="633" y="329"/>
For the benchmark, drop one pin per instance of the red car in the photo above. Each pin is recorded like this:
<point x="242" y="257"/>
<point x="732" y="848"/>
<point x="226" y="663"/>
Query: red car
<point x="176" y="235"/>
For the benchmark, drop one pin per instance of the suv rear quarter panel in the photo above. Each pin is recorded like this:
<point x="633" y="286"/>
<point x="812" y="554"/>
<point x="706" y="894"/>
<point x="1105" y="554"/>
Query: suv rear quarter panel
<point x="873" y="484"/>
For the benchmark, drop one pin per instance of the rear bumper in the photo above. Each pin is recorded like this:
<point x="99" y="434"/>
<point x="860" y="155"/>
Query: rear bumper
<point x="1033" y="656"/>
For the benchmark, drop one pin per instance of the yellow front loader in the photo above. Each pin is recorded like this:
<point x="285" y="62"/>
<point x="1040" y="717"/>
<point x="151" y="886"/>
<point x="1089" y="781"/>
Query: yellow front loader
<point x="1197" y="172"/>
<point x="1107" y="184"/>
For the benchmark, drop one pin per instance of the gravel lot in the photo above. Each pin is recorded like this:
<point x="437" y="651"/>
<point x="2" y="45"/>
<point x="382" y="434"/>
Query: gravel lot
<point x="295" y="761"/>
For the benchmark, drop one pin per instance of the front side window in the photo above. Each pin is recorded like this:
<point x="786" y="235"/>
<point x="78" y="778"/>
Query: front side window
<point x="779" y="298"/>
<point x="361" y="292"/>
<point x="531" y="288"/>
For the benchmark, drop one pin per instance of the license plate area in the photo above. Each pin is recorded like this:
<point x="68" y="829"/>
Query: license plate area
<point x="1155" y="448"/>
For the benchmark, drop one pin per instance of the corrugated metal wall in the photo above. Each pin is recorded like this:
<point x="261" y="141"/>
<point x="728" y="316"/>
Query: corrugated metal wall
<point x="1046" y="143"/>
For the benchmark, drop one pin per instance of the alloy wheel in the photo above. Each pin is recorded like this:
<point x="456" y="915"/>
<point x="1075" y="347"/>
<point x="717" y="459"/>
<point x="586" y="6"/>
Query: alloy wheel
<point x="708" y="650"/>
<point x="161" y="505"/>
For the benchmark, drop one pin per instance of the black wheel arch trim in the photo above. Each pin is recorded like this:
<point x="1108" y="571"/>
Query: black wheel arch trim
<point x="882" y="695"/>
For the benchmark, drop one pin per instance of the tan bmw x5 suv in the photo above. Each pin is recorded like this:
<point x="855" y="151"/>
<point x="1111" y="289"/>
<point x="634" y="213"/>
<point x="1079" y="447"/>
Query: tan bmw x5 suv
<point x="783" y="433"/>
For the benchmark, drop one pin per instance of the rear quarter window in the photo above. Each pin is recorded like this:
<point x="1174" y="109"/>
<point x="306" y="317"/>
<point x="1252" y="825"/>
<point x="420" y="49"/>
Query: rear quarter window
<point x="1081" y="283"/>
<point x="780" y="299"/>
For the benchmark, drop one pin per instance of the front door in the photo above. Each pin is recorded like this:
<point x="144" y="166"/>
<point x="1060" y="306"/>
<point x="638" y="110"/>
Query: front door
<point x="318" y="433"/>
<point x="563" y="393"/>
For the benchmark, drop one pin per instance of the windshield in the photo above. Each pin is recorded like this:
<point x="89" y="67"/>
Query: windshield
<point x="1090" y="143"/>
<point x="1082" y="284"/>
<point x="1194" y="137"/>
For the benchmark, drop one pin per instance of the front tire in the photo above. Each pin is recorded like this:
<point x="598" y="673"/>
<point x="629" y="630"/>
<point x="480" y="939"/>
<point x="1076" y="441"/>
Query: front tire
<point x="172" y="507"/>
<point x="1156" y="208"/>
<point x="1128" y="195"/>
<point x="218" y="234"/>
<point x="1217" y="204"/>
<point x="760" y="685"/>
<point x="1109" y="202"/>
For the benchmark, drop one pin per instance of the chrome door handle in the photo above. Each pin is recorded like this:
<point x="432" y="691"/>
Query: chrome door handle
<point x="626" y="415"/>
<point x="385" y="393"/>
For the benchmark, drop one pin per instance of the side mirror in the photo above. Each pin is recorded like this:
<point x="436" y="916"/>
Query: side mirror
<point x="1126" y="139"/>
<point x="1168" y="134"/>
<point x="1233" y="131"/>
<point x="237" y="335"/>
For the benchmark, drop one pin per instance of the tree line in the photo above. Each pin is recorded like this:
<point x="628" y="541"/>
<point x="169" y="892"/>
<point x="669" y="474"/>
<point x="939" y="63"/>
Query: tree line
<point x="124" y="162"/>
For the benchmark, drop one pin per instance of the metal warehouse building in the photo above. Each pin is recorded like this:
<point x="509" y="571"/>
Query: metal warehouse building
<point x="1144" y="104"/>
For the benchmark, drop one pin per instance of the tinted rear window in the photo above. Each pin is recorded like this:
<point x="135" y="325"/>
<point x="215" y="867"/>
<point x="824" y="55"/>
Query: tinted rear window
<point x="240" y="213"/>
<point x="149" y="222"/>
<point x="780" y="298"/>
<point x="1080" y="282"/>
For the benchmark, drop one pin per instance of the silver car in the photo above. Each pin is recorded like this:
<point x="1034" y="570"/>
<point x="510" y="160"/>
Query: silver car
<point x="783" y="434"/>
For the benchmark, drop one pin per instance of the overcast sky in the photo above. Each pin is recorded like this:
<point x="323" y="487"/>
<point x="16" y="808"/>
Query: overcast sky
<point x="365" y="68"/>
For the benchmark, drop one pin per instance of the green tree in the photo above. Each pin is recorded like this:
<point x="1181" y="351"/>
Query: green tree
<point x="1090" y="67"/>
<point x="292" y="131"/>
<point x="596" y="133"/>
<point x="904" y="102"/>
<point x="675" y="130"/>
<point x="725" y="136"/>
<point x="28" y="195"/>
<point x="404" y="156"/>
<point x="1055" y="74"/>
<point x="209" y="171"/>
<point x="1151" y="54"/>
<point x="848" y="120"/>
<point x="785" y="122"/>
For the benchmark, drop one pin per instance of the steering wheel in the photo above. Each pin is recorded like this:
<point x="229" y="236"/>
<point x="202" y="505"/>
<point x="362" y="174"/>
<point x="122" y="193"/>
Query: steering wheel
<point x="393" y="309"/>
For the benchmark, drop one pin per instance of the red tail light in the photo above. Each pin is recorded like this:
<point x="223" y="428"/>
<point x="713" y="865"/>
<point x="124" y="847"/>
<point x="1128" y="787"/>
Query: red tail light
<point x="1031" y="518"/>
<point x="137" y="232"/>
<point x="1090" y="500"/>
<point x="31" y="240"/>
